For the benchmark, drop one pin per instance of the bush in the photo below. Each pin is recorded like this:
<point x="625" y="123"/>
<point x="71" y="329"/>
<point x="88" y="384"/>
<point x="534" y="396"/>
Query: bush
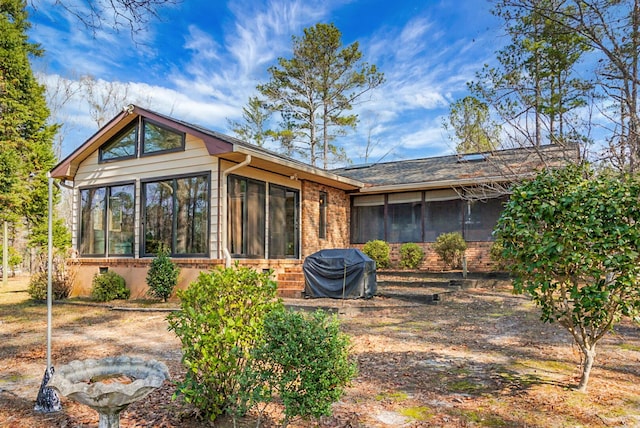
<point x="304" y="360"/>
<point x="379" y="251"/>
<point x="62" y="277"/>
<point x="450" y="247"/>
<point x="220" y="319"/>
<point x="37" y="289"/>
<point x="162" y="276"/>
<point x="495" y="253"/>
<point x="109" y="286"/>
<point x="411" y="255"/>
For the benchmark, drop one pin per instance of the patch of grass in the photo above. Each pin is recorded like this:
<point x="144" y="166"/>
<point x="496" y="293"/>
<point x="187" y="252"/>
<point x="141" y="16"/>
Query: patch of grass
<point x="629" y="347"/>
<point x="482" y="419"/>
<point x="420" y="413"/>
<point x="546" y="365"/>
<point x="465" y="386"/>
<point x="395" y="396"/>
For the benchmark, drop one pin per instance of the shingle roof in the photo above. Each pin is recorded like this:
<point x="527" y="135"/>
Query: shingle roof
<point x="501" y="165"/>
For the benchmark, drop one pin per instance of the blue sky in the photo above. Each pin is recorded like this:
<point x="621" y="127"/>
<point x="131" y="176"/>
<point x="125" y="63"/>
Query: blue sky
<point x="202" y="60"/>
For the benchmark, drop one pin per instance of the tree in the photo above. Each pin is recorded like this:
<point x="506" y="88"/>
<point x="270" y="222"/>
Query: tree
<point x="473" y="129"/>
<point x="571" y="241"/>
<point x="25" y="136"/>
<point x="535" y="86"/>
<point x="253" y="127"/>
<point x="314" y="89"/>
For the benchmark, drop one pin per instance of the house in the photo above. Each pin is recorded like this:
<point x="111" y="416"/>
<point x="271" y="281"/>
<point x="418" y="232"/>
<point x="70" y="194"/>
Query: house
<point x="146" y="180"/>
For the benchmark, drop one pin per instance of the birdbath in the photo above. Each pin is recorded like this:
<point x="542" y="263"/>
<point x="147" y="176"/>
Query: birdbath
<point x="109" y="385"/>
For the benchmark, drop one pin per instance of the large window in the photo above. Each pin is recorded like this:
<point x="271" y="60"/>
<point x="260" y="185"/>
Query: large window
<point x="176" y="215"/>
<point x="252" y="211"/>
<point x="246" y="213"/>
<point x="107" y="221"/>
<point x="283" y="222"/>
<point x="422" y="217"/>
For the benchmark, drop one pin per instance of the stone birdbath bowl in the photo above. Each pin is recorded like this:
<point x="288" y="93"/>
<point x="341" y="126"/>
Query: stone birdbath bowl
<point x="109" y="385"/>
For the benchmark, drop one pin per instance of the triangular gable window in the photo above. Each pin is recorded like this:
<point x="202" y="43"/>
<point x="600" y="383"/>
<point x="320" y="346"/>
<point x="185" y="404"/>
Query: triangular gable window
<point x="123" y="146"/>
<point x="157" y="139"/>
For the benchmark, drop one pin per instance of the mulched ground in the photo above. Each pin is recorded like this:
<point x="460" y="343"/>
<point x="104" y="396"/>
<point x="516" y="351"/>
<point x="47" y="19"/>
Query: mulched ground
<point x="472" y="357"/>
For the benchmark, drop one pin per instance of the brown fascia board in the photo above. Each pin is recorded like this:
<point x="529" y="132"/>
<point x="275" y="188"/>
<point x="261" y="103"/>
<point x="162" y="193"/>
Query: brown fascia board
<point x="65" y="168"/>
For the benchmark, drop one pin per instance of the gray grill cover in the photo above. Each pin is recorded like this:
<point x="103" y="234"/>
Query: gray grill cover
<point x="340" y="273"/>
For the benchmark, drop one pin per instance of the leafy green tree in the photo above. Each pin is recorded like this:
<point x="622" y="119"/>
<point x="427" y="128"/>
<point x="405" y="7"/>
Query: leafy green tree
<point x="25" y="136"/>
<point x="314" y="90"/>
<point x="572" y="243"/>
<point x="473" y="129"/>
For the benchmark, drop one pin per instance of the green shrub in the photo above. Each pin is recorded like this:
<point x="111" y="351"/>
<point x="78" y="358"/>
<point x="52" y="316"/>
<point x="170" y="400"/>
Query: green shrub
<point x="162" y="276"/>
<point x="411" y="255"/>
<point x="495" y="253"/>
<point x="303" y="359"/>
<point x="37" y="289"/>
<point x="379" y="251"/>
<point x="109" y="286"/>
<point x="220" y="319"/>
<point x="450" y="247"/>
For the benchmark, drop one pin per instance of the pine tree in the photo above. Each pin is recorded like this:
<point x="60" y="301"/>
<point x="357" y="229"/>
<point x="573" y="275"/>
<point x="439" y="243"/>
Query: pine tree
<point x="26" y="139"/>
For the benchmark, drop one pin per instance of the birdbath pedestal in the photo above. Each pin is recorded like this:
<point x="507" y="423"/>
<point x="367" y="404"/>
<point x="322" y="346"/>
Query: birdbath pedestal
<point x="109" y="385"/>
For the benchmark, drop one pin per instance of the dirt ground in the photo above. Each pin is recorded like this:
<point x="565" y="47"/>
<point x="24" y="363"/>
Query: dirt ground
<point x="429" y="355"/>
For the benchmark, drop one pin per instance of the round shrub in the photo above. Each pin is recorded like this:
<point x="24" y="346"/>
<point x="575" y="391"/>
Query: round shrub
<point x="304" y="360"/>
<point x="109" y="286"/>
<point x="60" y="288"/>
<point x="411" y="255"/>
<point x="379" y="252"/>
<point x="162" y="276"/>
<point x="450" y="247"/>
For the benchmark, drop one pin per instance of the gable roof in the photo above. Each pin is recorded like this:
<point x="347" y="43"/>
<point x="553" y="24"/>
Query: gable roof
<point x="500" y="166"/>
<point x="217" y="144"/>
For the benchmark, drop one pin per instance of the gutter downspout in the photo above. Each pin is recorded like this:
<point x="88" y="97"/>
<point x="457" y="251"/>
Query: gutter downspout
<point x="223" y="205"/>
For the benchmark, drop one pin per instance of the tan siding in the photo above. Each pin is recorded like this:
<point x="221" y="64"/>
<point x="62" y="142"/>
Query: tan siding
<point x="195" y="159"/>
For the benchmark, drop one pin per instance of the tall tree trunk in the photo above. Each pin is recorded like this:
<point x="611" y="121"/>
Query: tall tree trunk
<point x="589" y="354"/>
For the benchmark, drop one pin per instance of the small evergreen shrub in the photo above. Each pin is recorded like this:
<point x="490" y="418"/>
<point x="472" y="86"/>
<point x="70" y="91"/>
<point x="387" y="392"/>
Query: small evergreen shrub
<point x="162" y="276"/>
<point x="220" y="320"/>
<point x="411" y="255"/>
<point x="379" y="252"/>
<point x="450" y="247"/>
<point x="303" y="360"/>
<point x="495" y="253"/>
<point x="109" y="286"/>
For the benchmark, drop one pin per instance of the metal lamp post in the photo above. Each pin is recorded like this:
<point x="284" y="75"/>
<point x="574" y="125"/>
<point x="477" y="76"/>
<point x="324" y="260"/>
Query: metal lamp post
<point x="48" y="400"/>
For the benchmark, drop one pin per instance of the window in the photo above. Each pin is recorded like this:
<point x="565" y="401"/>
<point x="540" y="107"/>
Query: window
<point x="322" y="216"/>
<point x="367" y="219"/>
<point x="246" y="217"/>
<point x="157" y="138"/>
<point x="481" y="217"/>
<point x="176" y="215"/>
<point x="107" y="221"/>
<point x="422" y="216"/>
<point x="283" y="222"/>
<point x="404" y="217"/>
<point x="123" y="146"/>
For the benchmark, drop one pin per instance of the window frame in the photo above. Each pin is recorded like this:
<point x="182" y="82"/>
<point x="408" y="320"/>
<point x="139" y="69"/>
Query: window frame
<point x="244" y="244"/>
<point x="142" y="128"/>
<point x="133" y="126"/>
<point x="143" y="214"/>
<point x="106" y="223"/>
<point x="323" y="205"/>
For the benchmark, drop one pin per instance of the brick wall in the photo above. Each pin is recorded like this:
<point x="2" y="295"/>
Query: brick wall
<point x="338" y="213"/>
